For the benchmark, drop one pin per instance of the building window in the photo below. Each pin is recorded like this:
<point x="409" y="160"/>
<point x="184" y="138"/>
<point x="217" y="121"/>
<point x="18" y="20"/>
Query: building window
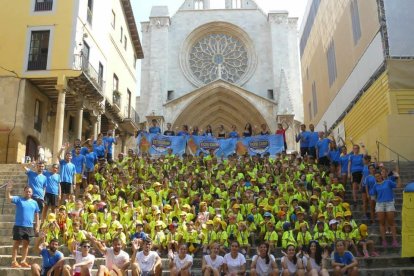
<point x="89" y="14"/>
<point x="199" y="4"/>
<point x="43" y="5"/>
<point x="170" y="95"/>
<point x="115" y="86"/>
<point x="314" y="99"/>
<point x="356" y="24"/>
<point x="37" y="116"/>
<point x="309" y="24"/>
<point x="310" y="110"/>
<point x="125" y="42"/>
<point x="236" y="4"/>
<point x="113" y="21"/>
<point x="122" y="34"/>
<point x="330" y="56"/>
<point x="39" y="48"/>
<point x="270" y="94"/>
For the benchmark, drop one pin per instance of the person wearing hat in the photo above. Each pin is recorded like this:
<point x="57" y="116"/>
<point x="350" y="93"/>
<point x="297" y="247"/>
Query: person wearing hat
<point x="335" y="232"/>
<point x="158" y="237"/>
<point x="103" y="234"/>
<point x="304" y="236"/>
<point x="236" y="211"/>
<point x="348" y="218"/>
<point x="361" y="240"/>
<point x="192" y="238"/>
<point x="329" y="212"/>
<point x="348" y="236"/>
<point x="75" y="234"/>
<point x="242" y="236"/>
<point x="271" y="236"/>
<point x="288" y="236"/>
<point x="321" y="235"/>
<point x="300" y="218"/>
<point x="208" y="236"/>
<point x="322" y="219"/>
<point x="316" y="207"/>
<point x="146" y="261"/>
<point x="173" y="239"/>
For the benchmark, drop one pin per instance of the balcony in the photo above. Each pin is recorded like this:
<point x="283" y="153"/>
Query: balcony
<point x="45" y="5"/>
<point x="131" y="120"/>
<point x="116" y="100"/>
<point x="37" y="62"/>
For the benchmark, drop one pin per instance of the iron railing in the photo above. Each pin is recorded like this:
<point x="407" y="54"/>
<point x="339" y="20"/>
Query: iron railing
<point x="82" y="63"/>
<point x="45" y="5"/>
<point x="116" y="99"/>
<point x="398" y="155"/>
<point x="37" y="62"/>
<point x="130" y="113"/>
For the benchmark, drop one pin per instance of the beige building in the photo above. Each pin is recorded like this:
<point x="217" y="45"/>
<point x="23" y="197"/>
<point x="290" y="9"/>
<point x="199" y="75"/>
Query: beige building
<point x="67" y="71"/>
<point x="356" y="63"/>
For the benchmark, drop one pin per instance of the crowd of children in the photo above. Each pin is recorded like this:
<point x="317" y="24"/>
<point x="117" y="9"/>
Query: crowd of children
<point x="199" y="200"/>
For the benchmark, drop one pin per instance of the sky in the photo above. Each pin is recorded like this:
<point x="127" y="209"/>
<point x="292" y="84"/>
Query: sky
<point x="142" y="10"/>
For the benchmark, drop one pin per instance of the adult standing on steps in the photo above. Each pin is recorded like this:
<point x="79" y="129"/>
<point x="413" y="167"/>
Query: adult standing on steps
<point x="53" y="190"/>
<point x="37" y="181"/>
<point x="27" y="211"/>
<point x="52" y="259"/>
<point x="67" y="173"/>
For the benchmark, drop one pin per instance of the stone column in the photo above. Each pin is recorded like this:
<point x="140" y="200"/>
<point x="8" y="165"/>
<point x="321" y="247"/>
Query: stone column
<point x="78" y="123"/>
<point x="98" y="124"/>
<point x="94" y="121"/>
<point x="60" y="116"/>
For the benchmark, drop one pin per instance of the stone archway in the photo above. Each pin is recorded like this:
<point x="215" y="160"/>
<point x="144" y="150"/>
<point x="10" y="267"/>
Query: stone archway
<point x="221" y="103"/>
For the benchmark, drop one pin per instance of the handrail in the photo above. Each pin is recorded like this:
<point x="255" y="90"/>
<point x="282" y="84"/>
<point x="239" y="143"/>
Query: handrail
<point x="393" y="151"/>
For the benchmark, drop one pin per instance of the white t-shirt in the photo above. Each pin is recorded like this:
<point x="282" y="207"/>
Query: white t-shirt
<point x="261" y="267"/>
<point x="180" y="263"/>
<point x="314" y="264"/>
<point x="292" y="268"/>
<point x="80" y="259"/>
<point x="216" y="263"/>
<point x="118" y="260"/>
<point x="234" y="265"/>
<point x="146" y="263"/>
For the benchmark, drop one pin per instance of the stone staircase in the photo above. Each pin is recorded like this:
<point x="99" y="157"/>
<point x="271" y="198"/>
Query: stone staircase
<point x="389" y="262"/>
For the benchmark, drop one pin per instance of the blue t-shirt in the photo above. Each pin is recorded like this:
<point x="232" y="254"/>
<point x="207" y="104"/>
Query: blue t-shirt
<point x="108" y="142"/>
<point x="52" y="183"/>
<point x="38" y="184"/>
<point x="343" y="161"/>
<point x="67" y="171"/>
<point x="304" y="138"/>
<point x="313" y="138"/>
<point x="182" y="133"/>
<point x="91" y="159"/>
<point x="233" y="134"/>
<point x="25" y="210"/>
<point x="357" y="163"/>
<point x="334" y="155"/>
<point x="323" y="147"/>
<point x="384" y="191"/>
<point x="50" y="260"/>
<point x="365" y="173"/>
<point x="370" y="182"/>
<point x="345" y="259"/>
<point x="78" y="161"/>
<point x="83" y="151"/>
<point x="99" y="150"/>
<point x="154" y="130"/>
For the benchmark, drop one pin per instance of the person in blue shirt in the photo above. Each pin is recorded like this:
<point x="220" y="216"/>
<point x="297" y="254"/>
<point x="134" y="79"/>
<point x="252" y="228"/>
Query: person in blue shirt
<point x="99" y="148"/>
<point x="385" y="207"/>
<point x="37" y="181"/>
<point x="27" y="211"/>
<point x="343" y="262"/>
<point x="303" y="138"/>
<point x="108" y="141"/>
<point x="369" y="183"/>
<point x="79" y="161"/>
<point x="53" y="193"/>
<point x="91" y="160"/>
<point x="154" y="129"/>
<point x="52" y="259"/>
<point x="355" y="167"/>
<point x="77" y="142"/>
<point x="343" y="163"/>
<point x="313" y="140"/>
<point x="322" y="150"/>
<point x="233" y="133"/>
<point x="67" y="173"/>
<point x="184" y="131"/>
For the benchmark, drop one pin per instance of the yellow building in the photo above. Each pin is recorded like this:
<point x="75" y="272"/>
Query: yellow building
<point x="357" y="67"/>
<point x="67" y="70"/>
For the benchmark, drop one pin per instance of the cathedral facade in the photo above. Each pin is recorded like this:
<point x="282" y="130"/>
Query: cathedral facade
<point x="227" y="66"/>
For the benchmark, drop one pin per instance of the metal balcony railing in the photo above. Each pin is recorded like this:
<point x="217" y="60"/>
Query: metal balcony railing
<point x="130" y="113"/>
<point x="37" y="62"/>
<point x="46" y="5"/>
<point x="82" y="63"/>
<point x="116" y="98"/>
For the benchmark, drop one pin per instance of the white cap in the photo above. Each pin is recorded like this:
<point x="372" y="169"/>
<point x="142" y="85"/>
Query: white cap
<point x="333" y="221"/>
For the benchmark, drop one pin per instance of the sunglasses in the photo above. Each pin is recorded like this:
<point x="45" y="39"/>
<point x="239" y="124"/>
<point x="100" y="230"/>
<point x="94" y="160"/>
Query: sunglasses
<point x="86" y="246"/>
